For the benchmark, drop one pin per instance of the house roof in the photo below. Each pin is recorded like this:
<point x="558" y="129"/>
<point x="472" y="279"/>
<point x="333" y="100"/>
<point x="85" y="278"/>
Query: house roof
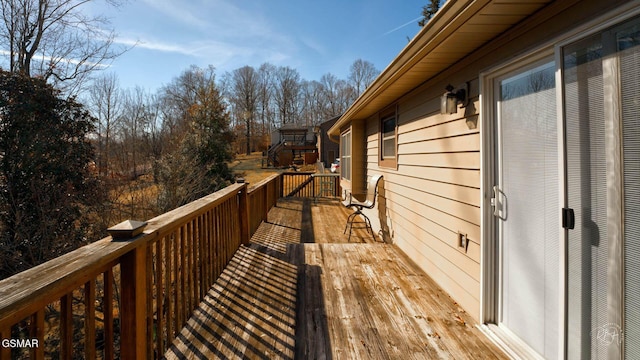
<point x="457" y="29"/>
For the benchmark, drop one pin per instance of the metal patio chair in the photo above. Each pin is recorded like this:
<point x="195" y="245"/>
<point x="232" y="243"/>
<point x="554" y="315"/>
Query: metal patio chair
<point x="368" y="203"/>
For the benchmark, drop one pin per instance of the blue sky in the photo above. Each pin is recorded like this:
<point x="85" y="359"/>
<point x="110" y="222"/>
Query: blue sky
<point x="314" y="37"/>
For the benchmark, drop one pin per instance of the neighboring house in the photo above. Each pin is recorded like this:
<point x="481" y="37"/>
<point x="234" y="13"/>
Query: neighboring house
<point x="291" y="144"/>
<point x="523" y="203"/>
<point x="328" y="150"/>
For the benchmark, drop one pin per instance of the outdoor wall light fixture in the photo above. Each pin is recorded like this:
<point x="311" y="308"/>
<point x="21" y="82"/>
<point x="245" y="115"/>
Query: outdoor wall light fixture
<point x="450" y="100"/>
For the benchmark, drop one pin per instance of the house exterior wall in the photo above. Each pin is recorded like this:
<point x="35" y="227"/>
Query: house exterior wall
<point x="435" y="192"/>
<point x="327" y="146"/>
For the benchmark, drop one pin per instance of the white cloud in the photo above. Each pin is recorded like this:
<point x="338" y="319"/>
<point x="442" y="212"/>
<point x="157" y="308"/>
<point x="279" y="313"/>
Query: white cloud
<point x="215" y="30"/>
<point x="414" y="21"/>
<point x="44" y="58"/>
<point x="178" y="10"/>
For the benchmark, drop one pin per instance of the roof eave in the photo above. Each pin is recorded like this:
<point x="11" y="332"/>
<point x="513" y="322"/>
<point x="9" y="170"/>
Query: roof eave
<point x="440" y="20"/>
<point x="458" y="29"/>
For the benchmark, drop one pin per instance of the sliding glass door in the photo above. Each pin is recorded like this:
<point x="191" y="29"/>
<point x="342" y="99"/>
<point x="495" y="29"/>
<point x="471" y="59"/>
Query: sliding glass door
<point x="526" y="202"/>
<point x="601" y="76"/>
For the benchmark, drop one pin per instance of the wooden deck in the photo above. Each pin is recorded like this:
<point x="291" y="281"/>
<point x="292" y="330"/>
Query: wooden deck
<point x="299" y="290"/>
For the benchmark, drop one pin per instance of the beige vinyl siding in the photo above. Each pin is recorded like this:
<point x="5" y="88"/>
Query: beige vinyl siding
<point x="435" y="190"/>
<point x="434" y="193"/>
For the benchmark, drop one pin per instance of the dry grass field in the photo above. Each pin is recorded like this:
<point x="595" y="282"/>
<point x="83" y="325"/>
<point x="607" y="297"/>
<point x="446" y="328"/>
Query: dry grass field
<point x="249" y="167"/>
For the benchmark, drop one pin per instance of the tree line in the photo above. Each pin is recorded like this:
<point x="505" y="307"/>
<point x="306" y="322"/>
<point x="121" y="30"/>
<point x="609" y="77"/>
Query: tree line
<point x="74" y="145"/>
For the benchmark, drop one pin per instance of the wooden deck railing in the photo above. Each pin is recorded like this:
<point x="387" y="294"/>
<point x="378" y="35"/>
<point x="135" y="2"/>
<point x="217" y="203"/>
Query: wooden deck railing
<point x="130" y="299"/>
<point x="306" y="184"/>
<point x="262" y="196"/>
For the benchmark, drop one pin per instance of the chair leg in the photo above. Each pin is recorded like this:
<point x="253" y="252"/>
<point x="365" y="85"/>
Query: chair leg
<point x="369" y="227"/>
<point x="349" y="221"/>
<point x="367" y="224"/>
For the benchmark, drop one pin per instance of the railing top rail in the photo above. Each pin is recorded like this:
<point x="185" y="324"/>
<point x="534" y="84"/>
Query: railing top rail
<point x="30" y="290"/>
<point x="263" y="182"/>
<point x="26" y="292"/>
<point x="167" y="222"/>
<point x="298" y="172"/>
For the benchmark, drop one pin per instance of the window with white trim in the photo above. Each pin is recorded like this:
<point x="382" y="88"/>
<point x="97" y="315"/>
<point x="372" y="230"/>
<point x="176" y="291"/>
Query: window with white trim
<point x="388" y="139"/>
<point x="345" y="155"/>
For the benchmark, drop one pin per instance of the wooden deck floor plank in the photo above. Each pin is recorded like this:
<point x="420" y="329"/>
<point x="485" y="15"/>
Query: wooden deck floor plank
<point x="330" y="218"/>
<point x="284" y="298"/>
<point x="404" y="338"/>
<point x="312" y="337"/>
<point x="260" y="311"/>
<point x="351" y="308"/>
<point x="452" y="327"/>
<point x="374" y="339"/>
<point x="342" y="317"/>
<point x="281" y="342"/>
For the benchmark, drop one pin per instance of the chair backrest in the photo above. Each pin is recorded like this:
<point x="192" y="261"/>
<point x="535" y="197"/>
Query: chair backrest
<point x="372" y="189"/>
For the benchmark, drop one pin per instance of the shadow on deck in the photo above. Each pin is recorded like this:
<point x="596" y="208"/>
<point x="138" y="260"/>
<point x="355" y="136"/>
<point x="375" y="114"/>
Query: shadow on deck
<point x="299" y="290"/>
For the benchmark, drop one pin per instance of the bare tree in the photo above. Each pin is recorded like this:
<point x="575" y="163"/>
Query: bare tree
<point x="338" y="94"/>
<point x="197" y="165"/>
<point x="362" y="73"/>
<point x="55" y="40"/>
<point x="244" y="94"/>
<point x="314" y="102"/>
<point x="134" y="124"/>
<point x="286" y="94"/>
<point x="266" y="74"/>
<point x="106" y="105"/>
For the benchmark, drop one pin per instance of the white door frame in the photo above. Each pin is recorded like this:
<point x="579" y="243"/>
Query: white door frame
<point x="490" y="260"/>
<point x="489" y="281"/>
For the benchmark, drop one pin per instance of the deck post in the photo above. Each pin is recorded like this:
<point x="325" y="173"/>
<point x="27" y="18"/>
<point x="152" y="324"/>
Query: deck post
<point x="133" y="325"/>
<point x="265" y="197"/>
<point x="244" y="215"/>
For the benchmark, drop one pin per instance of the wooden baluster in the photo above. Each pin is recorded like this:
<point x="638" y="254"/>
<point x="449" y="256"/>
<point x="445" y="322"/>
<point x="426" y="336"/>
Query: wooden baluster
<point x="184" y="270"/>
<point x="195" y="267"/>
<point x="265" y="210"/>
<point x="66" y="326"/>
<point x="225" y="233"/>
<point x="150" y="296"/>
<point x="213" y="237"/>
<point x="187" y="249"/>
<point x="90" y="319"/>
<point x="192" y="248"/>
<point x="214" y="242"/>
<point x="177" y="268"/>
<point x="244" y="216"/>
<point x="217" y="247"/>
<point x="223" y="240"/>
<point x="229" y="231"/>
<point x="107" y="300"/>
<point x="169" y="287"/>
<point x="202" y="259"/>
<point x="36" y="331"/>
<point x="133" y="313"/>
<point x="160" y="259"/>
<point x="206" y="250"/>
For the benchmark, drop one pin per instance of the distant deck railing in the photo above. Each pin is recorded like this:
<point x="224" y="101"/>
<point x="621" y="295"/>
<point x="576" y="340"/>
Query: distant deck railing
<point x="130" y="299"/>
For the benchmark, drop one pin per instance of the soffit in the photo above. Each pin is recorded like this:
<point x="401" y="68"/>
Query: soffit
<point x="457" y="30"/>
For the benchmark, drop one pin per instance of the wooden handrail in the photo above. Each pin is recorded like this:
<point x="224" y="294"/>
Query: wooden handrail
<point x="161" y="276"/>
<point x="261" y="197"/>
<point x="152" y="283"/>
<point x="47" y="282"/>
